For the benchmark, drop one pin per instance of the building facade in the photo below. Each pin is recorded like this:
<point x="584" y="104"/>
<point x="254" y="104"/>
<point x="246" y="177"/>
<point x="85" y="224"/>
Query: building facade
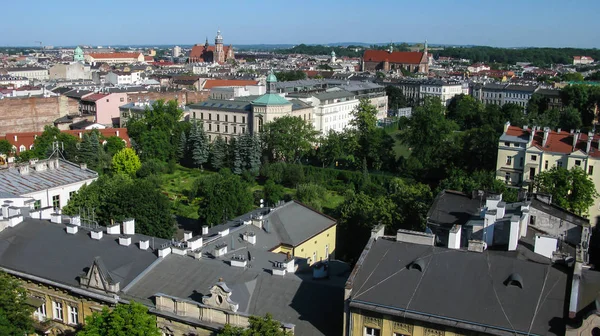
<point x="500" y="94"/>
<point x="71" y="71"/>
<point x="33" y="73"/>
<point x="524" y="152"/>
<point x="115" y="58"/>
<point x="230" y="118"/>
<point x="13" y="81"/>
<point x="577" y="60"/>
<point x="415" y="90"/>
<point x="123" y="78"/>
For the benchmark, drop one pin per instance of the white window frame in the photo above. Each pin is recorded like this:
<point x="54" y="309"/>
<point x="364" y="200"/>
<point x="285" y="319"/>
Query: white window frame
<point x="40" y="312"/>
<point x="57" y="311"/>
<point x="372" y="331"/>
<point x="73" y="315"/>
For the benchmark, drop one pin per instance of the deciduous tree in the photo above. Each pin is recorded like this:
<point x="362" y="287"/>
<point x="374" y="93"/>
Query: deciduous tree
<point x="288" y="138"/>
<point x="259" y="326"/>
<point x="15" y="313"/>
<point x="570" y="189"/>
<point x="124" y="320"/>
<point x="126" y="162"/>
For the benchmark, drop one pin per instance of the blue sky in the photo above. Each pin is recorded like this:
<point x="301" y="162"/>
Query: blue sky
<point x="503" y="23"/>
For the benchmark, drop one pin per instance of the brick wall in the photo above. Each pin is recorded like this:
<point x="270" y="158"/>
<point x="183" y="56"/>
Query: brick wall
<point x="184" y="97"/>
<point x="32" y="114"/>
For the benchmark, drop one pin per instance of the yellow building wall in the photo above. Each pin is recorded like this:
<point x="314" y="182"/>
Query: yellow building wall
<point x="317" y="246"/>
<point x="546" y="161"/>
<point x="85" y="307"/>
<point x="284" y="249"/>
<point x="389" y="326"/>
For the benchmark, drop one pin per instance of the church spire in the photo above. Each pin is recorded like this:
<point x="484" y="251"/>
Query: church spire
<point x="425" y="47"/>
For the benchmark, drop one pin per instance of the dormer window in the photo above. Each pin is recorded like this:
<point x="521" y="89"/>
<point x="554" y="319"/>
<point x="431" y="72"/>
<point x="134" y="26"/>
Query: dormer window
<point x="514" y="280"/>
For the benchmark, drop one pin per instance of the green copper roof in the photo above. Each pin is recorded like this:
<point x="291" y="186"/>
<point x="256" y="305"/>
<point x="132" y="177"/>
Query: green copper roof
<point x="270" y="99"/>
<point x="271" y="78"/>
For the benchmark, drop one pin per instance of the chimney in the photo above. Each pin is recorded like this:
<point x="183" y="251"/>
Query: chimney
<point x="575" y="138"/>
<point x="492" y="201"/>
<point x="194" y="243"/>
<point x="144" y="244"/>
<point x="220" y="249"/>
<point x="56" y="218"/>
<point x="124" y="240"/>
<point x="525" y="127"/>
<point x="378" y="231"/>
<point x="224" y="233"/>
<point x="454" y="237"/>
<point x="164" y="250"/>
<point x="477" y="246"/>
<point x="558" y="130"/>
<point x="514" y="234"/>
<point x="238" y="261"/>
<point x="113" y="229"/>
<point x="500" y="210"/>
<point x="488" y="226"/>
<point x="187" y="235"/>
<point x="415" y="237"/>
<point x="506" y="126"/>
<point x="72" y="229"/>
<point x="97" y="234"/>
<point x="546" y="133"/>
<point x="129" y="226"/>
<point x="588" y="146"/>
<point x="204" y="230"/>
<point x="83" y="166"/>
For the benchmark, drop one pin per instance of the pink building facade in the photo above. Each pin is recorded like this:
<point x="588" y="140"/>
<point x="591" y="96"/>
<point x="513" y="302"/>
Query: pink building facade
<point x="107" y="108"/>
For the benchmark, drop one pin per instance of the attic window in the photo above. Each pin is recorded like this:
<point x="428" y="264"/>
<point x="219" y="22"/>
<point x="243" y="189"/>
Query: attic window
<point x="514" y="280"/>
<point x="418" y="264"/>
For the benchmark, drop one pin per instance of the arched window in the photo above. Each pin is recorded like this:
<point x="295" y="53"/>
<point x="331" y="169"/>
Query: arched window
<point x="22" y="148"/>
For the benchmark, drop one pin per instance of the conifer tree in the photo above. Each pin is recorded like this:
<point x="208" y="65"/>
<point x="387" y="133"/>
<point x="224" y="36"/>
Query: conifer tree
<point x="182" y="149"/>
<point x="198" y="144"/>
<point x="218" y="153"/>
<point x="236" y="156"/>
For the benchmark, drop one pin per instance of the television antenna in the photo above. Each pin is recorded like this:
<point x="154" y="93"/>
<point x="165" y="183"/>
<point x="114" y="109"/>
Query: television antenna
<point x="58" y="148"/>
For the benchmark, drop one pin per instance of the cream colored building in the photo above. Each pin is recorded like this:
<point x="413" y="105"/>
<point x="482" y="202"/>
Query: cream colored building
<point x="114" y="58"/>
<point x="36" y="73"/>
<point x="524" y="152"/>
<point x="231" y="118"/>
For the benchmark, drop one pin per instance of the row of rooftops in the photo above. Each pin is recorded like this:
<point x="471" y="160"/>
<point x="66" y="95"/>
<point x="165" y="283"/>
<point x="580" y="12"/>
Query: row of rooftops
<point x="559" y="141"/>
<point x="140" y="267"/>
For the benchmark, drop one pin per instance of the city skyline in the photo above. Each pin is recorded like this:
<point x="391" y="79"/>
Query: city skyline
<point x="507" y="24"/>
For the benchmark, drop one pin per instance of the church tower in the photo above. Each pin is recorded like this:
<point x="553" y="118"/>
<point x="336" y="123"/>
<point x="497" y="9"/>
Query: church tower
<point x="219" y="54"/>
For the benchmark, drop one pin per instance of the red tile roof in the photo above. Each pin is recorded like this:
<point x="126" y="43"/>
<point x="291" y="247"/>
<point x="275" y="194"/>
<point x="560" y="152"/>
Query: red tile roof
<point x="27" y="138"/>
<point x="95" y="96"/>
<point x="211" y="83"/>
<point x="198" y="49"/>
<point x="404" y="57"/>
<point x="115" y="55"/>
<point x="558" y="142"/>
<point x="149" y="58"/>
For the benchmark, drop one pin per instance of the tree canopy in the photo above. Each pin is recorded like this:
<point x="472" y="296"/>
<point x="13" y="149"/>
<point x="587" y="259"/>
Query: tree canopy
<point x="130" y="319"/>
<point x="126" y="162"/>
<point x="259" y="326"/>
<point x="288" y="138"/>
<point x="15" y="313"/>
<point x="570" y="189"/>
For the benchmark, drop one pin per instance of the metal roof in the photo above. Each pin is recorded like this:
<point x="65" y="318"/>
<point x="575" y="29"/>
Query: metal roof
<point x="464" y="289"/>
<point x="13" y="182"/>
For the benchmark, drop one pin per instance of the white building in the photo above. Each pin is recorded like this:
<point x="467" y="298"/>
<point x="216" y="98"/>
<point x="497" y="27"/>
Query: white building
<point x="199" y="68"/>
<point x="176" y="51"/>
<point x="332" y="110"/>
<point x="443" y="90"/>
<point x="114" y="58"/>
<point x="478" y="67"/>
<point x="582" y="60"/>
<point x="14" y="81"/>
<point x="44" y="183"/>
<point x="38" y="73"/>
<point x="230" y="92"/>
<point x="123" y="78"/>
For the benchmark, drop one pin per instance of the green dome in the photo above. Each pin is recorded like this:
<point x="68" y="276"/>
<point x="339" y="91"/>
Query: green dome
<point x="271" y="78"/>
<point x="271" y="99"/>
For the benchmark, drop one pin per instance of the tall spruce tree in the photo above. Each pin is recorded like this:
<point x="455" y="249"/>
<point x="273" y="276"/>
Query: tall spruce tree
<point x="182" y="148"/>
<point x="218" y="154"/>
<point x="198" y="144"/>
<point x="236" y="156"/>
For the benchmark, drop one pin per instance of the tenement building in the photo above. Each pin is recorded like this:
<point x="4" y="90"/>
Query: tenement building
<point x="415" y="90"/>
<point x="230" y="118"/>
<point x="536" y="280"/>
<point x="276" y="260"/>
<point x="212" y="54"/>
<point x="500" y="94"/>
<point x="524" y="152"/>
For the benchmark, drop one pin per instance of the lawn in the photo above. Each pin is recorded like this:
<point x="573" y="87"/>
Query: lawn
<point x="399" y="148"/>
<point x="177" y="185"/>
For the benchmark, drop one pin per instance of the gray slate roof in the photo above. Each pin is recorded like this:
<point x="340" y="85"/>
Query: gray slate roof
<point x="295" y="222"/>
<point x="314" y="306"/>
<point x="44" y="249"/>
<point x="12" y="182"/>
<point x="463" y="288"/>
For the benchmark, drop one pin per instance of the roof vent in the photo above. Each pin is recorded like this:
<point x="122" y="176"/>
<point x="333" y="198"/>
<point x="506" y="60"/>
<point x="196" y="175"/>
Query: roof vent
<point x="418" y="264"/>
<point x="514" y="280"/>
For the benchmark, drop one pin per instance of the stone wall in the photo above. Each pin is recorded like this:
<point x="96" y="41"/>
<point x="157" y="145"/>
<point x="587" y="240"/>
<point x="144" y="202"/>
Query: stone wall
<point x="184" y="97"/>
<point x="30" y="114"/>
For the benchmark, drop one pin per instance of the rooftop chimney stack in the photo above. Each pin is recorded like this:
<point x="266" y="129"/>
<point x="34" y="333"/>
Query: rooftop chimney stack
<point x="514" y="234"/>
<point x="454" y="237"/>
<point x="546" y="133"/>
<point x="575" y="138"/>
<point x="187" y="235"/>
<point x="204" y="230"/>
<point x="129" y="226"/>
